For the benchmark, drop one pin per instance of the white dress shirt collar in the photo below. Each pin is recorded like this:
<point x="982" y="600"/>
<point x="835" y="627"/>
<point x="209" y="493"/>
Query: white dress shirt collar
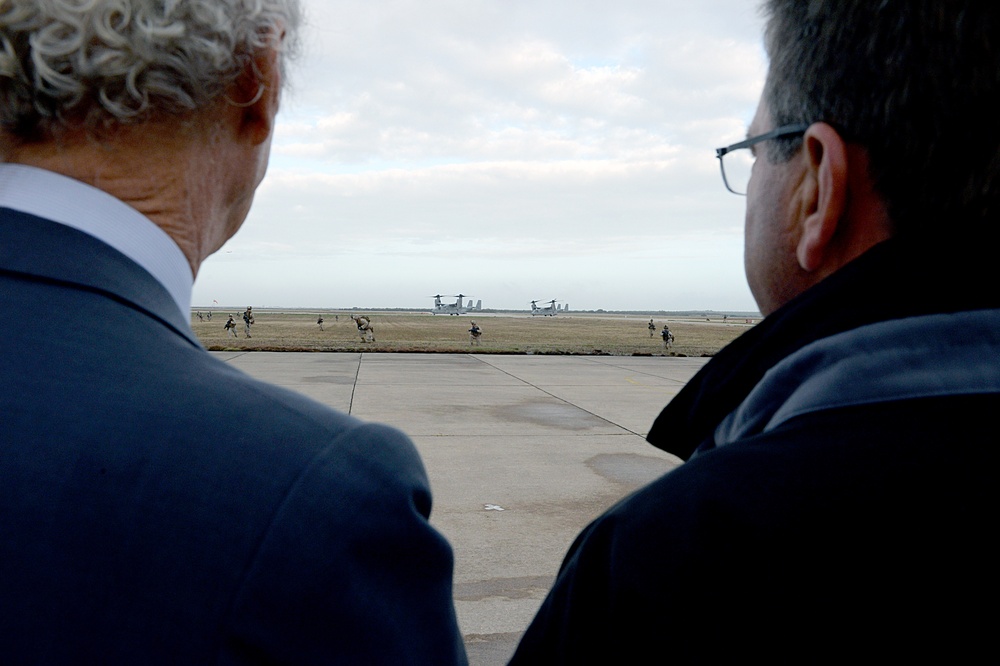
<point x="72" y="203"/>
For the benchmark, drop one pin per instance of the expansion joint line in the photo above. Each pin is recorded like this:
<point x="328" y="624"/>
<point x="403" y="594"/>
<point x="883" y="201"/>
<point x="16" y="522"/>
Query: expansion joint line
<point x="552" y="395"/>
<point x="357" y="373"/>
<point x="633" y="370"/>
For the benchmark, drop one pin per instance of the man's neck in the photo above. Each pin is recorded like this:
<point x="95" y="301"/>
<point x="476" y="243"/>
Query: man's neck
<point x="159" y="169"/>
<point x="69" y="202"/>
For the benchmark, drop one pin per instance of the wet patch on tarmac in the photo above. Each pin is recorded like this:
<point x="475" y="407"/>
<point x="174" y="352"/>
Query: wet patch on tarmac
<point x="629" y="468"/>
<point x="554" y="414"/>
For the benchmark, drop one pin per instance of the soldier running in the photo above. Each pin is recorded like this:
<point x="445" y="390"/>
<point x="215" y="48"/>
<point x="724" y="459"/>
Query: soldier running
<point x="248" y="319"/>
<point x="668" y="337"/>
<point x="365" y="328"/>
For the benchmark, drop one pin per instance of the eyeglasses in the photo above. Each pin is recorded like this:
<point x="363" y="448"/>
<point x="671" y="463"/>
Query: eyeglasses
<point x="736" y="166"/>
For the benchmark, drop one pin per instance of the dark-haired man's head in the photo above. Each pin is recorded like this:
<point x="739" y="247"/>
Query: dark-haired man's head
<point x="900" y="97"/>
<point x="915" y="82"/>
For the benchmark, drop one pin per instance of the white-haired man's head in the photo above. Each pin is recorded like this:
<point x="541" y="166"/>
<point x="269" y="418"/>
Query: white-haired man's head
<point x="101" y="63"/>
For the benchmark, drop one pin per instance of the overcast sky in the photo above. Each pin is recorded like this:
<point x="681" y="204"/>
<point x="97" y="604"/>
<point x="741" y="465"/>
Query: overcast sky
<point x="508" y="149"/>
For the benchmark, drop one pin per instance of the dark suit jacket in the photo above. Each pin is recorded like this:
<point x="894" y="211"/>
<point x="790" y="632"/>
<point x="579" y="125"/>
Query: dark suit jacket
<point x="158" y="506"/>
<point x="854" y="527"/>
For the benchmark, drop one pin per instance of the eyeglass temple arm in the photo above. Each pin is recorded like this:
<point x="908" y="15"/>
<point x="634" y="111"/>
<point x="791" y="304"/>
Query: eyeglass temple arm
<point x="773" y="134"/>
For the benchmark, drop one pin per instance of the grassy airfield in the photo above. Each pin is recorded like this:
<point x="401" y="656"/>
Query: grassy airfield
<point x="569" y="333"/>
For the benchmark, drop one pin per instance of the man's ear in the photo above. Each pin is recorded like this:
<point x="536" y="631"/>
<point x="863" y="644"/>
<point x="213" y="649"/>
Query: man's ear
<point x="826" y="164"/>
<point x="255" y="93"/>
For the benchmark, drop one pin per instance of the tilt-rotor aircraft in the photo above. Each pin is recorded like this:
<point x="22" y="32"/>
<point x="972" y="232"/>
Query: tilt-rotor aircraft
<point x="455" y="308"/>
<point x="549" y="310"/>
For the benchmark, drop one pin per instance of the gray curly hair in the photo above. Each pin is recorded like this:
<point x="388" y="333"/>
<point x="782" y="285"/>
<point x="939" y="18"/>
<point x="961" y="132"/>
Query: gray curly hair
<point x="106" y="62"/>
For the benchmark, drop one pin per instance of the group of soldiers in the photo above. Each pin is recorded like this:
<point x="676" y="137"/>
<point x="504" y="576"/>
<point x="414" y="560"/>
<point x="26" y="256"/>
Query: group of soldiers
<point x="319" y="320"/>
<point x="231" y="324"/>
<point x="668" y="337"/>
<point x="366" y="330"/>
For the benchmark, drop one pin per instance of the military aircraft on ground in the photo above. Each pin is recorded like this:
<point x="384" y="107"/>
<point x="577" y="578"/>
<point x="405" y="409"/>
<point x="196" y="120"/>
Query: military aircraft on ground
<point x="550" y="310"/>
<point x="455" y="308"/>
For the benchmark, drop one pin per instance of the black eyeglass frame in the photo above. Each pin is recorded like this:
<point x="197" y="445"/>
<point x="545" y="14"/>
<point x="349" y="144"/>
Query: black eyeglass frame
<point x="777" y="133"/>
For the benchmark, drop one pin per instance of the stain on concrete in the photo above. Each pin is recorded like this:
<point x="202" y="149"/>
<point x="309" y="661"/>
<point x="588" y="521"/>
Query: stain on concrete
<point x="491" y="649"/>
<point x="328" y="379"/>
<point x="497" y="649"/>
<point x="630" y="469"/>
<point x="522" y="587"/>
<point x="554" y="414"/>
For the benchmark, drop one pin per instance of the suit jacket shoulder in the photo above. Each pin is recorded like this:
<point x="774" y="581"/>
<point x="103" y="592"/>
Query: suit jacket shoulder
<point x="163" y="507"/>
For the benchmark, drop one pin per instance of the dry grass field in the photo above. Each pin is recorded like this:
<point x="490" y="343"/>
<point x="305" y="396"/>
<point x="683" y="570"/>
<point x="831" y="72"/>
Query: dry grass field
<point x="571" y="333"/>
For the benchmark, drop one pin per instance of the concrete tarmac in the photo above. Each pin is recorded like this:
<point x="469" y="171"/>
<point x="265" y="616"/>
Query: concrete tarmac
<point x="522" y="452"/>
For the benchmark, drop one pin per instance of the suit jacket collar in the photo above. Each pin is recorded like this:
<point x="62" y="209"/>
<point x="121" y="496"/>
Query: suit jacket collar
<point x="46" y="250"/>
